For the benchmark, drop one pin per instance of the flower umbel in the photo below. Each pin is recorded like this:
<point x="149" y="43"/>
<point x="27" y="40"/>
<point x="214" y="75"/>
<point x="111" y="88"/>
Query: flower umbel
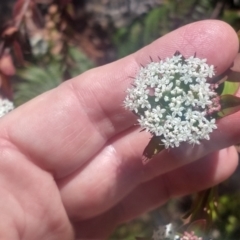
<point x="174" y="100"/>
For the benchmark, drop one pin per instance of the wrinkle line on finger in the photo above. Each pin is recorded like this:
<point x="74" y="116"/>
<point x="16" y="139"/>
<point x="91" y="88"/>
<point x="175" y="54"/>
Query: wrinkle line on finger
<point x="84" y="106"/>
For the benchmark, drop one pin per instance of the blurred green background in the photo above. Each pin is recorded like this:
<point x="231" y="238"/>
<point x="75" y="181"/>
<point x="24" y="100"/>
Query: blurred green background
<point x="57" y="40"/>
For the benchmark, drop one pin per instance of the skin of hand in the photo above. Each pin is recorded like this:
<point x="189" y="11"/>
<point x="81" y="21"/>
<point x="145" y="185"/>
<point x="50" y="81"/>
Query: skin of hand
<point x="71" y="165"/>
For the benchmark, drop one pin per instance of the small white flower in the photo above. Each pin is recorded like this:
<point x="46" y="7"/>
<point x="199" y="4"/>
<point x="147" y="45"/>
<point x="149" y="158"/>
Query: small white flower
<point x="5" y="106"/>
<point x="172" y="98"/>
<point x="186" y="78"/>
<point x="158" y="112"/>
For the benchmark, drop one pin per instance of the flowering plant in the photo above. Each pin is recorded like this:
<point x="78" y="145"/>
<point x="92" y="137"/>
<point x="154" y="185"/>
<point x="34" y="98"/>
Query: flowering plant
<point x="176" y="102"/>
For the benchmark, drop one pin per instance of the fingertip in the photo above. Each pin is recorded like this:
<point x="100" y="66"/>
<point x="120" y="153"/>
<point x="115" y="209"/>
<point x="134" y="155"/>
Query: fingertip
<point x="227" y="164"/>
<point x="219" y="42"/>
<point x="204" y="173"/>
<point x="212" y="39"/>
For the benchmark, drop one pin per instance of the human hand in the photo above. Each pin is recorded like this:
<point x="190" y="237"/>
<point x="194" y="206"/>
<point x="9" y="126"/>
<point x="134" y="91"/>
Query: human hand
<point x="71" y="158"/>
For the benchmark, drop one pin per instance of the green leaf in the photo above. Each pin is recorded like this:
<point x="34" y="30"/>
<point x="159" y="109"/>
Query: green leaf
<point x="35" y="80"/>
<point x="229" y="105"/>
<point x="230" y="87"/>
<point x="152" y="24"/>
<point x="154" y="147"/>
<point x="220" y="88"/>
<point x="80" y="62"/>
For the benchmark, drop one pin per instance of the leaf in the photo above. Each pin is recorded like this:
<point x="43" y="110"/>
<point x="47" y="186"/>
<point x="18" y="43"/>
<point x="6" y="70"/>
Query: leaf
<point x="80" y="62"/>
<point x="6" y="88"/>
<point x="17" y="8"/>
<point x="230" y="87"/>
<point x="18" y="52"/>
<point x="203" y="208"/>
<point x="9" y="32"/>
<point x="151" y="24"/>
<point x="36" y="80"/>
<point x="229" y="105"/>
<point x="37" y="17"/>
<point x="220" y="88"/>
<point x="154" y="147"/>
<point x="19" y="11"/>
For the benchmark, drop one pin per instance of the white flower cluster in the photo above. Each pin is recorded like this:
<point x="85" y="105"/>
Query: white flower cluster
<point x="173" y="99"/>
<point x="5" y="106"/>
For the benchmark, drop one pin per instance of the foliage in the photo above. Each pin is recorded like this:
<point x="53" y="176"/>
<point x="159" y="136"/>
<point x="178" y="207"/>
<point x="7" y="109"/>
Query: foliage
<point x="38" y="79"/>
<point x="232" y="17"/>
<point x="228" y="222"/>
<point x="158" y="22"/>
<point x="230" y="87"/>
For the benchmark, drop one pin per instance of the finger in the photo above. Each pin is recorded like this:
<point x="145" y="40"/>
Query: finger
<point x="118" y="169"/>
<point x="194" y="177"/>
<point x="63" y="128"/>
<point x="30" y="202"/>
